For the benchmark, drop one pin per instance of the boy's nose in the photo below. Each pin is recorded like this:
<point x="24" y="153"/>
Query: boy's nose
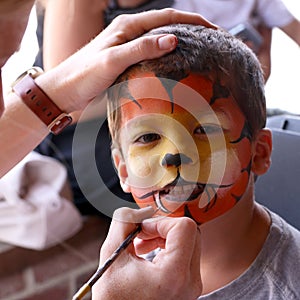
<point x="175" y="160"/>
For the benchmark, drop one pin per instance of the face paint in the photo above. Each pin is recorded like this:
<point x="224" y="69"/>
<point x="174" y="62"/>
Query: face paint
<point x="186" y="146"/>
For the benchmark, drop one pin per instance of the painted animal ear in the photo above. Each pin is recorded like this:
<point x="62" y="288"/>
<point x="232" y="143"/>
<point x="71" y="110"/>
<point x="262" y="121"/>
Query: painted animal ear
<point x="262" y="149"/>
<point x="121" y="169"/>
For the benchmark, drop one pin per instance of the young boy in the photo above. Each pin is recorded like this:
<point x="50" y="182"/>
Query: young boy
<point x="189" y="140"/>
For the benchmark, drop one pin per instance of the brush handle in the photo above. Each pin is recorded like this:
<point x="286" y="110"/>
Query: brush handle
<point x="87" y="286"/>
<point x="114" y="256"/>
<point x="82" y="292"/>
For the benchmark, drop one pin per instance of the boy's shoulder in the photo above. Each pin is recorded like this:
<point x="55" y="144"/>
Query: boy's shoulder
<point x="274" y="275"/>
<point x="278" y="264"/>
<point x="275" y="271"/>
<point x="283" y="247"/>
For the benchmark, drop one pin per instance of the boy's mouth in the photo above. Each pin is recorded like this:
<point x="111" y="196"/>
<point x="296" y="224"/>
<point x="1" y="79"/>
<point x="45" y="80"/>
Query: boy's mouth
<point x="180" y="193"/>
<point x="177" y="194"/>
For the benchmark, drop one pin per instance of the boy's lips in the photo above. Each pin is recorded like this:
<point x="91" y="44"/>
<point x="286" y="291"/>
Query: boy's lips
<point x="177" y="191"/>
<point x="177" y="194"/>
<point x="181" y="193"/>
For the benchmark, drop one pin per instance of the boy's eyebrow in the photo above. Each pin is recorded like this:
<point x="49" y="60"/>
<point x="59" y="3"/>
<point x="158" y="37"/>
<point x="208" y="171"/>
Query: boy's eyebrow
<point x="213" y="112"/>
<point x="221" y="108"/>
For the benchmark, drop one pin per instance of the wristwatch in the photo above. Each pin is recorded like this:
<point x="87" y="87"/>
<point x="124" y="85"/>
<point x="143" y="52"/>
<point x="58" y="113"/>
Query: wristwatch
<point x="39" y="102"/>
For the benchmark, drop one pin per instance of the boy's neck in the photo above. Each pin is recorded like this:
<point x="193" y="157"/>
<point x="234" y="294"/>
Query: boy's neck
<point x="231" y="243"/>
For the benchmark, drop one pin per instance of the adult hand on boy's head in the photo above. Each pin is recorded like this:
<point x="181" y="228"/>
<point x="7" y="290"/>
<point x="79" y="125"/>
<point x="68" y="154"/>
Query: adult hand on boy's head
<point x="95" y="67"/>
<point x="173" y="274"/>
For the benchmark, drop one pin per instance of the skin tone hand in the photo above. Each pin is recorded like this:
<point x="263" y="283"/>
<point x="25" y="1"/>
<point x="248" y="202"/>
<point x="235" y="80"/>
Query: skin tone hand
<point x="173" y="274"/>
<point x="86" y="74"/>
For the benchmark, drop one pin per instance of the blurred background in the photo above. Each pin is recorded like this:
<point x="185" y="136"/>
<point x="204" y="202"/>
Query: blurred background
<point x="282" y="88"/>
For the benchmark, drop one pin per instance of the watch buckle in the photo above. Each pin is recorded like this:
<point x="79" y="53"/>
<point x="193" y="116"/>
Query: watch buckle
<point x="59" y="123"/>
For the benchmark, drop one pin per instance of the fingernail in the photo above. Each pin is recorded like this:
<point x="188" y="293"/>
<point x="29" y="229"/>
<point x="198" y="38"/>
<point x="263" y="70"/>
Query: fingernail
<point x="167" y="42"/>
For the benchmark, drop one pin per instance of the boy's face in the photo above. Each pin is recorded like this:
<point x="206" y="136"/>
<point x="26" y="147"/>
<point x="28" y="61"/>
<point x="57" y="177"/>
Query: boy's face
<point x="185" y="147"/>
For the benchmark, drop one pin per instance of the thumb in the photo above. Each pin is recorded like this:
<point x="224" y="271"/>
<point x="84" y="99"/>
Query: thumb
<point x="124" y="221"/>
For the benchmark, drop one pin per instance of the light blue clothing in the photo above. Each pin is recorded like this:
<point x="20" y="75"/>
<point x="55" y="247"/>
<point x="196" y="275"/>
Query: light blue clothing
<point x="275" y="273"/>
<point x="229" y="13"/>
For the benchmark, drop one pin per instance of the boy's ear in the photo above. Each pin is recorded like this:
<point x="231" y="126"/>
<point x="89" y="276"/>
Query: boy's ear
<point x="121" y="169"/>
<point x="262" y="149"/>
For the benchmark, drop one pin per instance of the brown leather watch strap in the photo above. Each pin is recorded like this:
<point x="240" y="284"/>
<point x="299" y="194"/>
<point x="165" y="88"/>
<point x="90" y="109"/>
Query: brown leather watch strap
<point x="38" y="101"/>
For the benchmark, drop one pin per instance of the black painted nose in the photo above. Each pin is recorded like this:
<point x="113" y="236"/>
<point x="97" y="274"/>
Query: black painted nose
<point x="175" y="160"/>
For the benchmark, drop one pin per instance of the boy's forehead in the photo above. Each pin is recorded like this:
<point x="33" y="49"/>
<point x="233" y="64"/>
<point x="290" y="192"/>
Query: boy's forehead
<point x="149" y="86"/>
<point x="192" y="97"/>
<point x="147" y="93"/>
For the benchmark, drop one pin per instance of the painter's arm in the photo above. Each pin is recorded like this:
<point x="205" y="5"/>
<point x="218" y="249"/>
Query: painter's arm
<point x="264" y="52"/>
<point x="69" y="25"/>
<point x="293" y="30"/>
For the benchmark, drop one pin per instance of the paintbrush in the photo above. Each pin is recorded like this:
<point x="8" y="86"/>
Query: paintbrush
<point x="88" y="285"/>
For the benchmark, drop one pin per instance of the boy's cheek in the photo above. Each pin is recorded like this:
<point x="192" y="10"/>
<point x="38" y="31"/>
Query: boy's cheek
<point x="144" y="171"/>
<point x="245" y="151"/>
<point x="149" y="175"/>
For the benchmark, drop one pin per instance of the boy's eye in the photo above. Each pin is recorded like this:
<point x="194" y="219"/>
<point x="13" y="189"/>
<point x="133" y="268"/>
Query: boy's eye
<point x="148" y="138"/>
<point x="208" y="129"/>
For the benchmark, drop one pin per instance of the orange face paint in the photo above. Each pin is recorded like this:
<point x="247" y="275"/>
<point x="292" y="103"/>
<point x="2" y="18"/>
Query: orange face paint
<point x="186" y="146"/>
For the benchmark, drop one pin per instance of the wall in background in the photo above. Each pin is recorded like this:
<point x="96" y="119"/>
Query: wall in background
<point x="56" y="273"/>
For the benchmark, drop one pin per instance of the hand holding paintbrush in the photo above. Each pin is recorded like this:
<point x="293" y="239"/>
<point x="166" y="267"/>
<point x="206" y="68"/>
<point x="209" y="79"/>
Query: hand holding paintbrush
<point x="173" y="274"/>
<point x="143" y="213"/>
